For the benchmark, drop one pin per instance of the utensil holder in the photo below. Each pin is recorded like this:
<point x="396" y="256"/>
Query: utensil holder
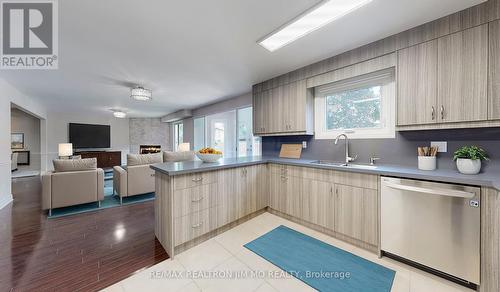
<point x="427" y="162"/>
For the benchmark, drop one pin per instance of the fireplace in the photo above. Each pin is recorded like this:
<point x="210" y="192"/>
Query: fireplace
<point x="146" y="149"/>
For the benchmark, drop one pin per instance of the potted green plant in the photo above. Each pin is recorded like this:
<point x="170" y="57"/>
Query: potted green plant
<point x="469" y="159"/>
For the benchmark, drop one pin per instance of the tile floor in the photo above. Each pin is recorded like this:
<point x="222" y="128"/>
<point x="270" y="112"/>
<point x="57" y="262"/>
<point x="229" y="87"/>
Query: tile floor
<point x="226" y="253"/>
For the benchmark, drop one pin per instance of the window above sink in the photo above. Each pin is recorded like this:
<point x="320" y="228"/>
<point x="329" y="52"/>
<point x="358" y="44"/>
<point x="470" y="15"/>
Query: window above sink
<point x="362" y="106"/>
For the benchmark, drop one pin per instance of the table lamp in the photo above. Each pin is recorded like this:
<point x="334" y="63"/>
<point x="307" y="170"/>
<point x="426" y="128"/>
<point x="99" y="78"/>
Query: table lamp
<point x="65" y="150"/>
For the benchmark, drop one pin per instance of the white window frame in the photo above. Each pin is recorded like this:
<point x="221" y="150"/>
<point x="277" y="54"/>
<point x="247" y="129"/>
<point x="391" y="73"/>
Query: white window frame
<point x="384" y="78"/>
<point x="176" y="137"/>
<point x="207" y="143"/>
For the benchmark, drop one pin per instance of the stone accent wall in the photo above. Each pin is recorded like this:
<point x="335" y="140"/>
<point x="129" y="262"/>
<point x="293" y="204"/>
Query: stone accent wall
<point x="149" y="131"/>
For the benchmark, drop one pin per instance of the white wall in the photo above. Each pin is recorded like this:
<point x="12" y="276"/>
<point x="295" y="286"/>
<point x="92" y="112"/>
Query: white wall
<point x="57" y="131"/>
<point x="29" y="125"/>
<point x="8" y="95"/>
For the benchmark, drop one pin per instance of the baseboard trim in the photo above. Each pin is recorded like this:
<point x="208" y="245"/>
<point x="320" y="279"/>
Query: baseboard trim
<point x="5" y="201"/>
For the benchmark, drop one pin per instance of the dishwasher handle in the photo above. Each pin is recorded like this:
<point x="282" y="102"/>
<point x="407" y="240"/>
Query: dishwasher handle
<point x="433" y="191"/>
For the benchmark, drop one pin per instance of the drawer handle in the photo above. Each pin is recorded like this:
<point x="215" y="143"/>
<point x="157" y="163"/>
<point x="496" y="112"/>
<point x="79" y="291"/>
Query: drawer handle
<point x="197" y="200"/>
<point x="197" y="179"/>
<point x="197" y="225"/>
<point x="152" y="174"/>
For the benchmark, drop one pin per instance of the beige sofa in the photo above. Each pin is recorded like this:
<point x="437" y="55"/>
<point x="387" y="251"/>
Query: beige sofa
<point x="137" y="177"/>
<point x="71" y="183"/>
<point x="169" y="156"/>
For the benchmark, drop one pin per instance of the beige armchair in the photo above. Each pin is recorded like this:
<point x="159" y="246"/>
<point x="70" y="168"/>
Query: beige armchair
<point x="13" y="161"/>
<point x="72" y="182"/>
<point x="137" y="177"/>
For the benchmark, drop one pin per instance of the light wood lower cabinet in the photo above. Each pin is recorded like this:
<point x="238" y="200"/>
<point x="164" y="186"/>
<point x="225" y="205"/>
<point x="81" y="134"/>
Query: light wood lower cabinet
<point x="277" y="192"/>
<point x="318" y="203"/>
<point x="356" y="213"/>
<point x="195" y="224"/>
<point x="195" y="199"/>
<point x="343" y="202"/>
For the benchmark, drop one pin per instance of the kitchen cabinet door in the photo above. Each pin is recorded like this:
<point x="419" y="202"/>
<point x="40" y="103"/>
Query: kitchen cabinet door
<point x="462" y="76"/>
<point x="317" y="203"/>
<point x="293" y="196"/>
<point x="494" y="71"/>
<point x="276" y="114"/>
<point x="262" y="110"/>
<point x="262" y="182"/>
<point x="258" y="114"/>
<point x="283" y="109"/>
<point x="417" y="84"/>
<point x="278" y="198"/>
<point x="227" y="199"/>
<point x="247" y="189"/>
<point x="356" y="213"/>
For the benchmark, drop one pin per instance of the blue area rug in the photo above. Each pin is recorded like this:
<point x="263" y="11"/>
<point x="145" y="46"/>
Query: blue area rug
<point x="320" y="265"/>
<point x="110" y="200"/>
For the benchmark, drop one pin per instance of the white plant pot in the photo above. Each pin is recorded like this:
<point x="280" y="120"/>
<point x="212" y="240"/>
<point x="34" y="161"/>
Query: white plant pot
<point x="427" y="162"/>
<point x="468" y="166"/>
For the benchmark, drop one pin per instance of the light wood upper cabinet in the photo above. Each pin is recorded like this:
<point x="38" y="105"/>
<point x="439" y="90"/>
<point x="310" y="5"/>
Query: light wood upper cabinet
<point x="286" y="109"/>
<point x="494" y="71"/>
<point x="417" y="84"/>
<point x="356" y="213"/>
<point x="462" y="75"/>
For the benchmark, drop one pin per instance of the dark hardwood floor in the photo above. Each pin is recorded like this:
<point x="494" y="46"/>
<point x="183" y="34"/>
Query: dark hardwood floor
<point x="85" y="252"/>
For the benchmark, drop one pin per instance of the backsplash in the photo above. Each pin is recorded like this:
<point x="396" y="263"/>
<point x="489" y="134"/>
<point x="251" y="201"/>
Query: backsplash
<point x="401" y="150"/>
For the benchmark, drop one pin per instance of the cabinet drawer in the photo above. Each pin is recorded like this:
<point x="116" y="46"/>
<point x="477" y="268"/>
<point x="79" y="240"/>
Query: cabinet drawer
<point x="367" y="181"/>
<point x="286" y="170"/>
<point x="194" y="225"/>
<point x="195" y="199"/>
<point x="195" y="179"/>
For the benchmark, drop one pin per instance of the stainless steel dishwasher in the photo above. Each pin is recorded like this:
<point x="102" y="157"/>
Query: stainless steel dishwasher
<point x="434" y="225"/>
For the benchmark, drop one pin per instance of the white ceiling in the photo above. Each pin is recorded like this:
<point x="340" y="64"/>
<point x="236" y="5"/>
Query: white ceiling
<point x="191" y="53"/>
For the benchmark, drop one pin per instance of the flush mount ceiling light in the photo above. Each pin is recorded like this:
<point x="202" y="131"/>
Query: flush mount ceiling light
<point x="119" y="114"/>
<point x="141" y="93"/>
<point x="313" y="19"/>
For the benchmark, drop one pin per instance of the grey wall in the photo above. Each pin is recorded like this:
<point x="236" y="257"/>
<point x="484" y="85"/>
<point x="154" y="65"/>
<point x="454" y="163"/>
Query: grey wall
<point x="149" y="131"/>
<point x="240" y="101"/>
<point x="401" y="150"/>
<point x="57" y="131"/>
<point x="29" y="125"/>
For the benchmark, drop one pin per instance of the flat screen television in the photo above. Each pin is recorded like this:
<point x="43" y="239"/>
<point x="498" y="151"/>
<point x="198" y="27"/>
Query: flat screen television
<point x="89" y="136"/>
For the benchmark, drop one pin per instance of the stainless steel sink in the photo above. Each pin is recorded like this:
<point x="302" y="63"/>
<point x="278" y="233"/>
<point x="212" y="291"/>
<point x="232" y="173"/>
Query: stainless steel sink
<point x="340" y="164"/>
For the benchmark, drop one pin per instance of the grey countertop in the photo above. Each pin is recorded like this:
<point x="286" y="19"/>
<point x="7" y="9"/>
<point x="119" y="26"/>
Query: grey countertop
<point x="486" y="179"/>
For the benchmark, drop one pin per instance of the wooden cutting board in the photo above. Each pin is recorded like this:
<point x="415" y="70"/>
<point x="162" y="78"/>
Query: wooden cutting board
<point x="291" y="151"/>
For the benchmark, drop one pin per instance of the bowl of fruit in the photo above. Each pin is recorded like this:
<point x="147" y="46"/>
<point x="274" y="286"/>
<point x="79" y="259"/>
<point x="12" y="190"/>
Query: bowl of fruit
<point x="209" y="154"/>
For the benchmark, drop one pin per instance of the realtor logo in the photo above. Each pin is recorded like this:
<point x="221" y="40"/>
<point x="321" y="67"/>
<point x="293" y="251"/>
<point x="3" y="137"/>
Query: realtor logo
<point x="29" y="35"/>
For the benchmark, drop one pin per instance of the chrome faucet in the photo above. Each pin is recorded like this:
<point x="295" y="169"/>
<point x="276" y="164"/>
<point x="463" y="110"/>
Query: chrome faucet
<point x="347" y="158"/>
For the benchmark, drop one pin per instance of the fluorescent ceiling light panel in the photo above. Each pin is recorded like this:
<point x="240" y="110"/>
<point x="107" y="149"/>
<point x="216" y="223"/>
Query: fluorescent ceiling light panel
<point x="312" y="20"/>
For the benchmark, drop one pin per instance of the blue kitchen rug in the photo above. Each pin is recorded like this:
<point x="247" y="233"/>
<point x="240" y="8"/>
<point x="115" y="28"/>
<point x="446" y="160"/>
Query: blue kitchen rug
<point x="110" y="200"/>
<point x="320" y="265"/>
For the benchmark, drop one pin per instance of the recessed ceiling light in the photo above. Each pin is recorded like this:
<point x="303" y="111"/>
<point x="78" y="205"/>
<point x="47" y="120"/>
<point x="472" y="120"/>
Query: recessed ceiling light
<point x="314" y="18"/>
<point x="119" y="114"/>
<point x="140" y="93"/>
